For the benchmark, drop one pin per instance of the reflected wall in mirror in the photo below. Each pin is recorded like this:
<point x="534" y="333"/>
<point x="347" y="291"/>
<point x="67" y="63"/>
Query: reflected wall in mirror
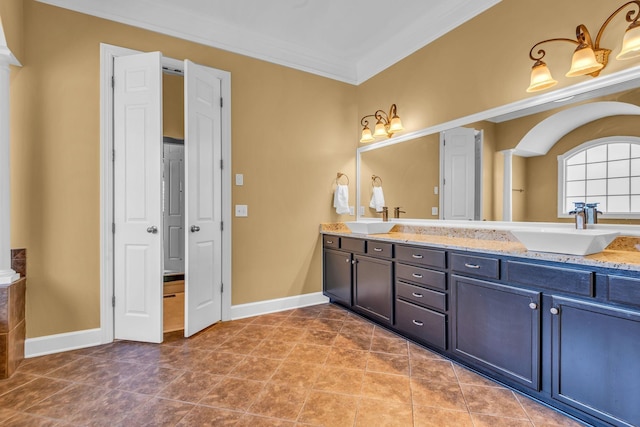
<point x="410" y="169"/>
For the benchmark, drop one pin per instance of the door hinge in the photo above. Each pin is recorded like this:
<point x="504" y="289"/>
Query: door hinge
<point x="221" y="102"/>
<point x="113" y="155"/>
<point x="113" y="301"/>
<point x="221" y="226"/>
<point x="113" y="227"/>
<point x="113" y="82"/>
<point x="221" y="287"/>
<point x="221" y="164"/>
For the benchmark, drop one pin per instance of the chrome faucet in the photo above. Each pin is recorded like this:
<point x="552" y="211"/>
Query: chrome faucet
<point x="591" y="213"/>
<point x="580" y="215"/>
<point x="397" y="212"/>
<point x="385" y="213"/>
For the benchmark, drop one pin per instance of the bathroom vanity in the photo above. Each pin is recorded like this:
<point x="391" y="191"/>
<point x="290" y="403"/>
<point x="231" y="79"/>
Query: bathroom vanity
<point x="562" y="329"/>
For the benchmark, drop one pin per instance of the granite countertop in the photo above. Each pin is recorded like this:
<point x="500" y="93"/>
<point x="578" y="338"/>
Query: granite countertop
<point x="623" y="253"/>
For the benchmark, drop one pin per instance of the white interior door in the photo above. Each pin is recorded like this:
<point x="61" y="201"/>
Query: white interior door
<point x="203" y="143"/>
<point x="173" y="207"/>
<point x="137" y="201"/>
<point x="459" y="174"/>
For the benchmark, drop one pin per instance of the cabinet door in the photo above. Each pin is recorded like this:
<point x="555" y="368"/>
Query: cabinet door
<point x="497" y="328"/>
<point x="373" y="287"/>
<point x="595" y="360"/>
<point x="337" y="276"/>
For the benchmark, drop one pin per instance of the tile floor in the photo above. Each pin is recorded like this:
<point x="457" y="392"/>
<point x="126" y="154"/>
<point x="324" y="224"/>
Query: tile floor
<point x="316" y="366"/>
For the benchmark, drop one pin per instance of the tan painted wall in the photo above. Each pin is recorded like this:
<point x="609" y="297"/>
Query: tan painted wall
<point x="409" y="171"/>
<point x="11" y="12"/>
<point x="280" y="143"/>
<point x="173" y="106"/>
<point x="280" y="140"/>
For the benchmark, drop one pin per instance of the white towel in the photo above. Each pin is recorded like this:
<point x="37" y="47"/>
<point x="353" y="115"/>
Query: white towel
<point x="377" y="199"/>
<point x="341" y="199"/>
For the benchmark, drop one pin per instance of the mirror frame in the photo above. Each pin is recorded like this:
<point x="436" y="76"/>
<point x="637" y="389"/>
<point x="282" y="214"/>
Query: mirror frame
<point x="557" y="96"/>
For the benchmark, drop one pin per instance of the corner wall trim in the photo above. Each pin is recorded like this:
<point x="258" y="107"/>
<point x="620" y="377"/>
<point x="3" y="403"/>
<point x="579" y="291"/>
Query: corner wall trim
<point x="241" y="311"/>
<point x="40" y="346"/>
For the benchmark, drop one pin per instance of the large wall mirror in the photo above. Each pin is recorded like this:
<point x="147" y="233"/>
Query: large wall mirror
<point x="516" y="154"/>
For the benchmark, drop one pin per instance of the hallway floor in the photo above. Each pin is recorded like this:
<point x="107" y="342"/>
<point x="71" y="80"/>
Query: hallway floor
<point x="314" y="366"/>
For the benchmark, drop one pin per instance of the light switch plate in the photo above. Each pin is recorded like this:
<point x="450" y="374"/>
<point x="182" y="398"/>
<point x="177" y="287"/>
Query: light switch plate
<point x="434" y="211"/>
<point x="352" y="210"/>
<point x="239" y="179"/>
<point x="242" y="210"/>
<point x="435" y="190"/>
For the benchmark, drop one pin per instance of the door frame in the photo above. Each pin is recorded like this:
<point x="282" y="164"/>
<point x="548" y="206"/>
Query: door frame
<point x="107" y="53"/>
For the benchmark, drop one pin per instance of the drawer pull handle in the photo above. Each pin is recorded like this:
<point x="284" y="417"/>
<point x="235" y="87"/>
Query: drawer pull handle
<point x="418" y="323"/>
<point x="476" y="266"/>
<point x="417" y="276"/>
<point x="377" y="249"/>
<point x="417" y="256"/>
<point x="417" y="295"/>
<point x="329" y="242"/>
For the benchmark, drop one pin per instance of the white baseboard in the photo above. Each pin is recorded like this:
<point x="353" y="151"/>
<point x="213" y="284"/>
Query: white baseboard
<point x="241" y="311"/>
<point x="40" y="346"/>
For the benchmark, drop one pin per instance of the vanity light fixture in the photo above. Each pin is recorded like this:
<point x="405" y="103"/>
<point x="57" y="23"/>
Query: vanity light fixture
<point x="588" y="58"/>
<point x="386" y="124"/>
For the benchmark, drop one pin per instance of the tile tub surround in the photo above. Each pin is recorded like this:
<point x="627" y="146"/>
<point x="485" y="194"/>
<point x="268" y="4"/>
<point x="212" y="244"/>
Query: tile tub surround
<point x="12" y="326"/>
<point x="314" y="366"/>
<point x="623" y="253"/>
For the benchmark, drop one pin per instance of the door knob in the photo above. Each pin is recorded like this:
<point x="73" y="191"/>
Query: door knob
<point x="153" y="229"/>
<point x="195" y="228"/>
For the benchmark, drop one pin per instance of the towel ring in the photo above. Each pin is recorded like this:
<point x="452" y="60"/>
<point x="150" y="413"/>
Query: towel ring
<point x="374" y="179"/>
<point x="340" y="175"/>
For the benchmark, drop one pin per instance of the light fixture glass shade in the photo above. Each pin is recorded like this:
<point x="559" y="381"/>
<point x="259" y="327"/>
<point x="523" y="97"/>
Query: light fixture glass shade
<point x="395" y="125"/>
<point x="541" y="77"/>
<point x="583" y="62"/>
<point x="380" y="130"/>
<point x="366" y="135"/>
<point x="630" y="43"/>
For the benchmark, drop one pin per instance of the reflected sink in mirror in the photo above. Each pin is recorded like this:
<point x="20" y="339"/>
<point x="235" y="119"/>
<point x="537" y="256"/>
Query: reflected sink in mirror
<point x="369" y="227"/>
<point x="564" y="241"/>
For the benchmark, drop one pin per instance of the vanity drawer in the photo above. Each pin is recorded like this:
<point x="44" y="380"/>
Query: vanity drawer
<point x="421" y="323"/>
<point x="352" y="245"/>
<point x="563" y="279"/>
<point x="384" y="250"/>
<point x="423" y="276"/>
<point x="624" y="290"/>
<point x="471" y="265"/>
<point x="421" y="296"/>
<point x="421" y="256"/>
<point x="331" y="242"/>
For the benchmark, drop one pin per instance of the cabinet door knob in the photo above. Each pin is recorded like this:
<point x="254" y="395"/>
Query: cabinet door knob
<point x="418" y="323"/>
<point x="417" y="295"/>
<point x="476" y="266"/>
<point x="533" y="305"/>
<point x="554" y="310"/>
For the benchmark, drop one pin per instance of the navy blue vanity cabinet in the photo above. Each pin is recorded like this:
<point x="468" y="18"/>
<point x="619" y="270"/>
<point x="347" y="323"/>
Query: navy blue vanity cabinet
<point x="596" y="359"/>
<point x="373" y="282"/>
<point x="496" y="328"/>
<point x="337" y="276"/>
<point x="421" y="294"/>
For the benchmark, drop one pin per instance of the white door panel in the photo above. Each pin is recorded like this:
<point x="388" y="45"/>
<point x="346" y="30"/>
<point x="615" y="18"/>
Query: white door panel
<point x="173" y="207"/>
<point x="137" y="201"/>
<point x="203" y="141"/>
<point x="459" y="174"/>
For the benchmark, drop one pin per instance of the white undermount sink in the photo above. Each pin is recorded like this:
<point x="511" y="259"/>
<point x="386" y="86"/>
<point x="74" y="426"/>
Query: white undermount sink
<point x="564" y="241"/>
<point x="369" y="227"/>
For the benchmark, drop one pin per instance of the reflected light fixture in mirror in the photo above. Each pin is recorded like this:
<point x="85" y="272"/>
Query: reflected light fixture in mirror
<point x="386" y="124"/>
<point x="588" y="58"/>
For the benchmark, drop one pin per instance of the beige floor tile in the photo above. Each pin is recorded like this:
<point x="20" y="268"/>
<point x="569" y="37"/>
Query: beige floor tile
<point x="297" y="374"/>
<point x="233" y="393"/>
<point x="389" y="345"/>
<point x="388" y="363"/>
<point x="387" y="387"/>
<point x="424" y="416"/>
<point x="347" y="358"/>
<point x="339" y="380"/>
<point x="255" y="368"/>
<point x="492" y="401"/>
<point x="480" y="420"/>
<point x="374" y="412"/>
<point x="433" y="369"/>
<point x="190" y="386"/>
<point x="542" y="416"/>
<point x="328" y="409"/>
<point x="465" y="376"/>
<point x="438" y="394"/>
<point x="309" y="353"/>
<point x="279" y="400"/>
<point x="203" y="416"/>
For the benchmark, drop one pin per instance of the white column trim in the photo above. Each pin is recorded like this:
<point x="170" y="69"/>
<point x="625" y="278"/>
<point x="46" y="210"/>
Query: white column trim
<point x="7" y="274"/>
<point x="507" y="185"/>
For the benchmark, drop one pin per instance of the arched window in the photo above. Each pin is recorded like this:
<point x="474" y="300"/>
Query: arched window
<point x="604" y="171"/>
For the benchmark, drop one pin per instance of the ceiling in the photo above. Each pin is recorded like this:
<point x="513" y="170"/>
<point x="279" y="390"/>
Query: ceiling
<point x="346" y="40"/>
